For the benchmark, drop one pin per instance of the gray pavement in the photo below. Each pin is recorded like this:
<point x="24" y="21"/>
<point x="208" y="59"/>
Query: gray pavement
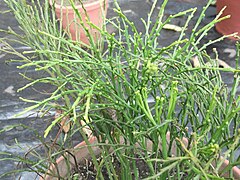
<point x="10" y="80"/>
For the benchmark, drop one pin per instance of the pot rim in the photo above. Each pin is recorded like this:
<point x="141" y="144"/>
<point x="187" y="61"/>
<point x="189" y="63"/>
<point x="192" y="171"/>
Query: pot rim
<point x="235" y="170"/>
<point x="61" y="159"/>
<point x="230" y="25"/>
<point x="87" y="5"/>
<point x="81" y="144"/>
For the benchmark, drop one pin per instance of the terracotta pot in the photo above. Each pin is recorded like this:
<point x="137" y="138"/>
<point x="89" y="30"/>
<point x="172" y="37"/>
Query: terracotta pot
<point x="231" y="25"/>
<point x="81" y="153"/>
<point x="96" y="10"/>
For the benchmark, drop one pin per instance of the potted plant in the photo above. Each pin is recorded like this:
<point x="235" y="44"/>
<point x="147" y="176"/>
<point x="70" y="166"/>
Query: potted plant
<point x="147" y="112"/>
<point x="75" y="15"/>
<point x="232" y="24"/>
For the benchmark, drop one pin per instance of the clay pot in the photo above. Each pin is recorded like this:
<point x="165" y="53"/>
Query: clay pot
<point x="231" y="25"/>
<point x="81" y="153"/>
<point x="95" y="9"/>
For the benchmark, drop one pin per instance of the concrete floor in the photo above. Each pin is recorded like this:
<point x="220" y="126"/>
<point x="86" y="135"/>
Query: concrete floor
<point x="10" y="80"/>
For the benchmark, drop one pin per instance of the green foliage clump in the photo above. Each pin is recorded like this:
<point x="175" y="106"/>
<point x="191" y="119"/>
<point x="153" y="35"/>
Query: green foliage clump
<point x="132" y="93"/>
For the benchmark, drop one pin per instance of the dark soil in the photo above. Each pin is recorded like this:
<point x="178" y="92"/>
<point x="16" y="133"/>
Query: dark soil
<point x="86" y="170"/>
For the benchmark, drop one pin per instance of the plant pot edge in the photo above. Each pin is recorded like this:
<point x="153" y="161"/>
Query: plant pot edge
<point x="86" y="4"/>
<point x="232" y="24"/>
<point x="92" y="140"/>
<point x="60" y="161"/>
<point x="96" y="11"/>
